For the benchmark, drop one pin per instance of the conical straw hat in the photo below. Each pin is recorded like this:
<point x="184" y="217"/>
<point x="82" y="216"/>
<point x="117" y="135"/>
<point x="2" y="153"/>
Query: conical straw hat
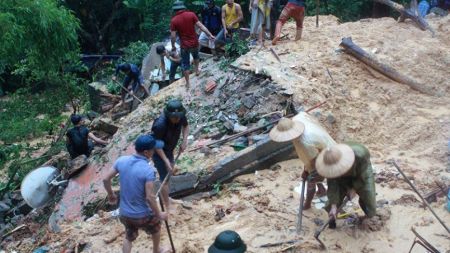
<point x="286" y="130"/>
<point x="335" y="161"/>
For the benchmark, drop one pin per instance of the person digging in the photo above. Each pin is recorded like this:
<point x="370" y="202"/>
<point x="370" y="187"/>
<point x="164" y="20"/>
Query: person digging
<point x="347" y="168"/>
<point x="168" y="128"/>
<point x="307" y="151"/>
<point x="138" y="206"/>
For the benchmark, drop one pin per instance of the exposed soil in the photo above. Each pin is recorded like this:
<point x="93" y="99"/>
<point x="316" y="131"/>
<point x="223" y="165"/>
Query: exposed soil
<point x="392" y="120"/>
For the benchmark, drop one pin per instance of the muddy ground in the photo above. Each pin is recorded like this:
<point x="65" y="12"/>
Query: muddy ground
<point x="394" y="122"/>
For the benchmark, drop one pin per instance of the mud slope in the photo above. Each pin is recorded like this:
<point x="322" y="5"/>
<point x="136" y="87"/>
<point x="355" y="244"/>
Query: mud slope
<point x="394" y="121"/>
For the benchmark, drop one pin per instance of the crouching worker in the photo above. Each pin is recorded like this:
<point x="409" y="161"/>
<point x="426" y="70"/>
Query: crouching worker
<point x="138" y="206"/>
<point x="78" y="141"/>
<point x="347" y="168"/>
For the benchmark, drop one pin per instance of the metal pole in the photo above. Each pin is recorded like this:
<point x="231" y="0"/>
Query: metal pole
<point x="300" y="209"/>
<point x="167" y="225"/>
<point x="417" y="192"/>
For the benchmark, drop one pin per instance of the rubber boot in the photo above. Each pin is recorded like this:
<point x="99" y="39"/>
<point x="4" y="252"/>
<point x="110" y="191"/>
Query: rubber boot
<point x="277" y="33"/>
<point x="298" y="35"/>
<point x="310" y="192"/>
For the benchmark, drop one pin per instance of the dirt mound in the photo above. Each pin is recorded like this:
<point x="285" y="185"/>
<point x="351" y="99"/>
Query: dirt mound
<point x="394" y="121"/>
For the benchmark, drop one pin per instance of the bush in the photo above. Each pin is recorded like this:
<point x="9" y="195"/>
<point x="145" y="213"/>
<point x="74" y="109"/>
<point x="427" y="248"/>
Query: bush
<point x="135" y="52"/>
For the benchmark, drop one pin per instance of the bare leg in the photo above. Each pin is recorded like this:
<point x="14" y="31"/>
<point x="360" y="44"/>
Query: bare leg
<point x="277" y="33"/>
<point x="186" y="77"/>
<point x="310" y="191"/>
<point x="156" y="238"/>
<point x="196" y="66"/>
<point x="165" y="196"/>
<point x="322" y="191"/>
<point x="298" y="35"/>
<point x="126" y="248"/>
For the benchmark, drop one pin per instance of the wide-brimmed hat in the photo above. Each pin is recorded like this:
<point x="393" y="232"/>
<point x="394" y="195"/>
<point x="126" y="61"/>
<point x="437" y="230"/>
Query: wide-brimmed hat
<point x="228" y="242"/>
<point x="286" y="130"/>
<point x="335" y="161"/>
<point x="178" y="5"/>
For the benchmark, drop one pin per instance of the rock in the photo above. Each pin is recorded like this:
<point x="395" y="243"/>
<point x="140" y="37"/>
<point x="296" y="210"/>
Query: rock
<point x="187" y="205"/>
<point x="237" y="128"/>
<point x="99" y="96"/>
<point x="76" y="164"/>
<point x="91" y="115"/>
<point x="249" y="102"/>
<point x="52" y="225"/>
<point x="3" y="207"/>
<point x="331" y="119"/>
<point x="104" y="125"/>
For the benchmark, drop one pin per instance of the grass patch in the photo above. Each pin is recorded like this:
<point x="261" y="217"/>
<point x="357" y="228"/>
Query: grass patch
<point x="25" y="116"/>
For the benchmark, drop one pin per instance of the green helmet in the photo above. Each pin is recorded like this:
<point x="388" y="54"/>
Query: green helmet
<point x="174" y="109"/>
<point x="178" y="5"/>
<point x="228" y="242"/>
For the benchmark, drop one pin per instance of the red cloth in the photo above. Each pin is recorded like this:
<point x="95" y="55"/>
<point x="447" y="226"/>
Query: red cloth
<point x="184" y="24"/>
<point x="293" y="11"/>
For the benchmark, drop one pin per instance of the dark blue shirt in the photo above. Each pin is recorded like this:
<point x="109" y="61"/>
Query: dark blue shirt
<point x="78" y="137"/>
<point x="134" y="173"/>
<point x="134" y="71"/>
<point x="298" y="2"/>
<point x="212" y="19"/>
<point x="169" y="133"/>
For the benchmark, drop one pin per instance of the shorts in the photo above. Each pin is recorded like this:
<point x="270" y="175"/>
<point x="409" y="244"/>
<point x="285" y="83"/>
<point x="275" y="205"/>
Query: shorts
<point x="161" y="166"/>
<point x="151" y="225"/>
<point x="185" y="57"/>
<point x="292" y="11"/>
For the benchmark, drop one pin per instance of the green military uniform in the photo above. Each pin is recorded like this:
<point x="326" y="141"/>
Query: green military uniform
<point x="360" y="178"/>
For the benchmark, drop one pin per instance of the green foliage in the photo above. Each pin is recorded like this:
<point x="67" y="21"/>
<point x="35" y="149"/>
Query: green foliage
<point x="236" y="48"/>
<point x="135" y="52"/>
<point x="154" y="17"/>
<point x="36" y="38"/>
<point x="25" y="115"/>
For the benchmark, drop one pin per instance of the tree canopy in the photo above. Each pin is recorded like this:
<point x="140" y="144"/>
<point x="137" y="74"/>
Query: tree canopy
<point x="36" y="37"/>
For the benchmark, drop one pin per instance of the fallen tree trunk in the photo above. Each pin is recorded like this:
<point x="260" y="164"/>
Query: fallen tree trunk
<point x="359" y="53"/>
<point x="411" y="13"/>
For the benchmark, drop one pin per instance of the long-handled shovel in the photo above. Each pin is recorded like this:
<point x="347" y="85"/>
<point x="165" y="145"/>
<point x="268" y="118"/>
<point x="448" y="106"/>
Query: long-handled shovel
<point x="167" y="225"/>
<point x="300" y="210"/>
<point x="162" y="205"/>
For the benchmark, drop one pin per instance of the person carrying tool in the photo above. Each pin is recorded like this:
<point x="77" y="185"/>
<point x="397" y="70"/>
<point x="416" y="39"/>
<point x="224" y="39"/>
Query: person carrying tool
<point x="228" y="241"/>
<point x="168" y="127"/>
<point x="133" y="80"/>
<point x="294" y="9"/>
<point x="78" y="138"/>
<point x="175" y="60"/>
<point x="347" y="168"/>
<point x="138" y="206"/>
<point x="184" y="23"/>
<point x="231" y="17"/>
